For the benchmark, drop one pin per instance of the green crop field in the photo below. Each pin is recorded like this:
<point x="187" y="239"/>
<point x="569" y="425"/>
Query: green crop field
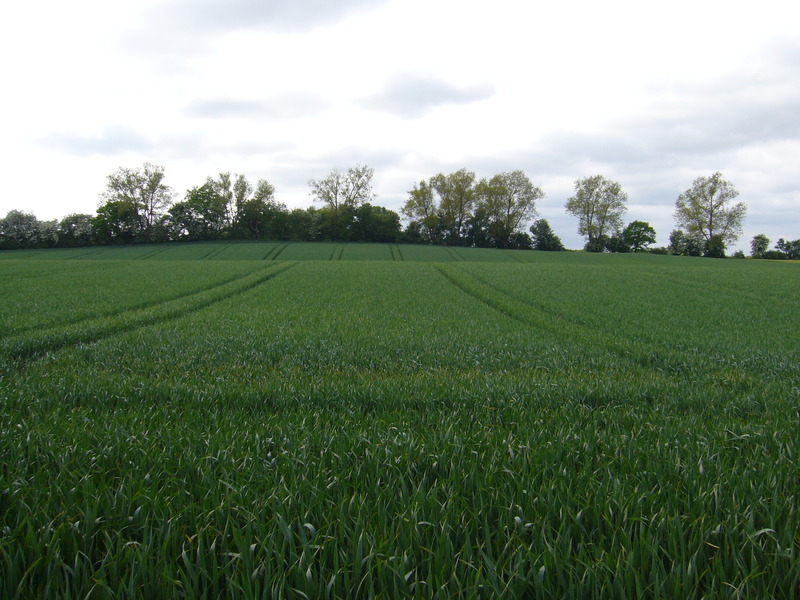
<point x="287" y="420"/>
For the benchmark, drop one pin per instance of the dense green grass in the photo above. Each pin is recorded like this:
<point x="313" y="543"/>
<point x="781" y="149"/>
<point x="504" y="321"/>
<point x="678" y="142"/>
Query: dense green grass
<point x="284" y="251"/>
<point x="417" y="425"/>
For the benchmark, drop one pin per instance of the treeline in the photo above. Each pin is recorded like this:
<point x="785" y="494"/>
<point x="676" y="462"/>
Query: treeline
<point x="138" y="207"/>
<point x="455" y="209"/>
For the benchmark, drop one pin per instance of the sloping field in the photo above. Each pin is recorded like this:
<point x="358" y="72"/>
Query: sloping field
<point x="421" y="423"/>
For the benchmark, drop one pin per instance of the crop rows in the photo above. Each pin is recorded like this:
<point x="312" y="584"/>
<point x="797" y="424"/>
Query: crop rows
<point x="285" y="251"/>
<point x="350" y="428"/>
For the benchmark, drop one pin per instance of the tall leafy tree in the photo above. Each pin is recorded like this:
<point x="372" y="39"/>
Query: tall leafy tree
<point x="422" y="207"/>
<point x="340" y="189"/>
<point x="456" y="193"/>
<point x="509" y="200"/>
<point x="342" y="192"/>
<point x="705" y="209"/>
<point x="258" y="216"/>
<point x="140" y="195"/>
<point x="599" y="205"/>
<point x="234" y="190"/>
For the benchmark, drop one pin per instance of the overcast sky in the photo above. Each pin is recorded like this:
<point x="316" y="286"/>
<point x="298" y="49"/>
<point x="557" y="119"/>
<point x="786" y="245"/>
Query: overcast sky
<point x="650" y="94"/>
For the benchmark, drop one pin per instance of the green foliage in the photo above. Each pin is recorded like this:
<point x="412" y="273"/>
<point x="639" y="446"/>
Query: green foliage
<point x="19" y="230"/>
<point x="344" y="189"/>
<point x="509" y="202"/>
<point x="790" y="249"/>
<point x="759" y="245"/>
<point x="348" y="429"/>
<point x="683" y="244"/>
<point x="134" y="201"/>
<point x="599" y="205"/>
<point x="202" y="216"/>
<point x="715" y="248"/>
<point x="638" y="235"/>
<point x="75" y="230"/>
<point x="704" y="210"/>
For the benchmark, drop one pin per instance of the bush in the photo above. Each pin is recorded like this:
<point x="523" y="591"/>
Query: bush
<point x="774" y="255"/>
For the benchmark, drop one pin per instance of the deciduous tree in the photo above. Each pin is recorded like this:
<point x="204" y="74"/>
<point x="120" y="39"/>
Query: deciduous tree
<point x="638" y="235"/>
<point x="76" y="230"/>
<point x="790" y="249"/>
<point x="339" y="189"/>
<point x="422" y="207"/>
<point x="343" y="191"/>
<point x="544" y="238"/>
<point x="19" y="230"/>
<point x="599" y="205"/>
<point x="141" y="195"/>
<point x="759" y="245"/>
<point x="509" y="200"/>
<point x="456" y="193"/>
<point x="705" y="209"/>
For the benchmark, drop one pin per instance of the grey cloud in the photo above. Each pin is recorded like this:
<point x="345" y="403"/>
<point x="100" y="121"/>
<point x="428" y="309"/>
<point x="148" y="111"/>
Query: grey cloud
<point x="219" y="15"/>
<point x="178" y="27"/>
<point x="282" y="106"/>
<point x="411" y="95"/>
<point x="111" y="141"/>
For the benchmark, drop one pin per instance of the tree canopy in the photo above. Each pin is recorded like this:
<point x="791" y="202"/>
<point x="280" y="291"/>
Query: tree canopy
<point x="705" y="209"/>
<point x="599" y="205"/>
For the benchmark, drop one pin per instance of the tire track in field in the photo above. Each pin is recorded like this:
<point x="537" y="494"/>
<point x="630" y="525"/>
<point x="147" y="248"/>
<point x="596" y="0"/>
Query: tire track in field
<point x="135" y="307"/>
<point x="87" y="254"/>
<point x="732" y="288"/>
<point x="456" y="256"/>
<point x="276" y="251"/>
<point x="650" y="352"/>
<point x="633" y="351"/>
<point x="337" y="252"/>
<point x="214" y="252"/>
<point x="150" y="254"/>
<point x="515" y="257"/>
<point x="31" y="347"/>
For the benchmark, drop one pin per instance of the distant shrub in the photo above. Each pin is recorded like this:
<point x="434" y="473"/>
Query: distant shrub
<point x="774" y="255"/>
<point x="738" y="254"/>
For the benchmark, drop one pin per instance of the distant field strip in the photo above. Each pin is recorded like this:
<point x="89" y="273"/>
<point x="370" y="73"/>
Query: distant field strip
<point x="35" y="343"/>
<point x="257" y="250"/>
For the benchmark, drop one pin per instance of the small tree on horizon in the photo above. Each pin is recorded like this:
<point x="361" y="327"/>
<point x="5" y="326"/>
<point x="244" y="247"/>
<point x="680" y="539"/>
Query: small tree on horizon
<point x="759" y="245"/>
<point x="544" y="238"/>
